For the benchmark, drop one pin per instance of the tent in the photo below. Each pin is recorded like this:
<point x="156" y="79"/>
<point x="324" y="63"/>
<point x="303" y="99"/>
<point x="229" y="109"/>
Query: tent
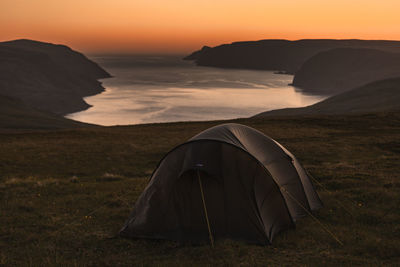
<point x="229" y="181"/>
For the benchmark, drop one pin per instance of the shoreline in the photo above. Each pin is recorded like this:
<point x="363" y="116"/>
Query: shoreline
<point x="154" y="105"/>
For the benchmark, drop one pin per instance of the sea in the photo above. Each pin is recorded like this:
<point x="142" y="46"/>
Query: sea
<point x="166" y="88"/>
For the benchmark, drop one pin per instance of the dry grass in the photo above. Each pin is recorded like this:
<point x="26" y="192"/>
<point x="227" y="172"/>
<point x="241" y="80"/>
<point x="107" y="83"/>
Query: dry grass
<point x="65" y="194"/>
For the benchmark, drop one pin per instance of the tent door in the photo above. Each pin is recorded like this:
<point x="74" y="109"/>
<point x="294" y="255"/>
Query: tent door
<point x="190" y="210"/>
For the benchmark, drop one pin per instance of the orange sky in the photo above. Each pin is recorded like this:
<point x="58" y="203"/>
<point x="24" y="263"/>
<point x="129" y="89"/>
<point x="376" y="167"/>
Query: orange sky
<point x="173" y="26"/>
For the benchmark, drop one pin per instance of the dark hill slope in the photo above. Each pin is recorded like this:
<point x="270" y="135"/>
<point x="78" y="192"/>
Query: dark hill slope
<point x="337" y="70"/>
<point x="14" y="114"/>
<point x="48" y="77"/>
<point x="71" y="60"/>
<point x="378" y="96"/>
<point x="281" y="55"/>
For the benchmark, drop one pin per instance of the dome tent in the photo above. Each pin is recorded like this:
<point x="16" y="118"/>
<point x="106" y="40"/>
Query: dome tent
<point x="229" y="181"/>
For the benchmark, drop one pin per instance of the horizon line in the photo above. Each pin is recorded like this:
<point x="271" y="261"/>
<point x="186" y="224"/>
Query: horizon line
<point x="123" y="51"/>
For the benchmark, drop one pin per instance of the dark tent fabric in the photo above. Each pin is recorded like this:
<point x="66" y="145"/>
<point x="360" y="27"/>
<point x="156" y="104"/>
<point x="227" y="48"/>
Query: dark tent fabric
<point x="252" y="186"/>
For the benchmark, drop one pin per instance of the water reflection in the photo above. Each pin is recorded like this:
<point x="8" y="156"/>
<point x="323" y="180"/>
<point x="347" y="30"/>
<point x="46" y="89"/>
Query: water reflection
<point x="144" y="92"/>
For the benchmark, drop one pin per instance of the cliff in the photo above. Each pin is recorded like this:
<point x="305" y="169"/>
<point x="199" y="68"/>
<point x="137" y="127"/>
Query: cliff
<point x="338" y="70"/>
<point x="49" y="77"/>
<point x="281" y="55"/>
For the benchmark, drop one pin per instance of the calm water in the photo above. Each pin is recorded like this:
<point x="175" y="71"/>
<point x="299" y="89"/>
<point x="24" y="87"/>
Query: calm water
<point x="149" y="89"/>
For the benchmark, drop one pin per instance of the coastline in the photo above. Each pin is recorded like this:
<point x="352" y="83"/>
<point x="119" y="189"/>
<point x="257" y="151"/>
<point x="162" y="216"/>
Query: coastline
<point x="149" y="90"/>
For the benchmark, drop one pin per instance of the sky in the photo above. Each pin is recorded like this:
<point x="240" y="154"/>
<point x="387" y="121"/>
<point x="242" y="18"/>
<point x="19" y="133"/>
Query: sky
<point x="182" y="26"/>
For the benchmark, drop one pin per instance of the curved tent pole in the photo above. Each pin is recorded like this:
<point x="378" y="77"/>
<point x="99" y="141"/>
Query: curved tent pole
<point x="205" y="210"/>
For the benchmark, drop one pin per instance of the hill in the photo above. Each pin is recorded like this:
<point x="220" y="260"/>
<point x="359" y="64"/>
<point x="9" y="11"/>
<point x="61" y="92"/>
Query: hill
<point x="15" y="115"/>
<point x="377" y="96"/>
<point x="281" y="55"/>
<point x="338" y="70"/>
<point x="49" y="77"/>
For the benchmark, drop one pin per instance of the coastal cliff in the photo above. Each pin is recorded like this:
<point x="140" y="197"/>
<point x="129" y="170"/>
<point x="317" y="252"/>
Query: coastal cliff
<point x="338" y="70"/>
<point x="278" y="55"/>
<point x="52" y="78"/>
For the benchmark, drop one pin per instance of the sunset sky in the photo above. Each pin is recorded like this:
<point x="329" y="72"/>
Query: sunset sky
<point x="180" y="26"/>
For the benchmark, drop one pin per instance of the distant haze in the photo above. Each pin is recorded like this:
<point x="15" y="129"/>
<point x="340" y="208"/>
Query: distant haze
<point x="181" y="26"/>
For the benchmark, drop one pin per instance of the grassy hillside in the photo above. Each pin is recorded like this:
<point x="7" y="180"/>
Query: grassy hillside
<point x="377" y="96"/>
<point x="65" y="194"/>
<point x="15" y="115"/>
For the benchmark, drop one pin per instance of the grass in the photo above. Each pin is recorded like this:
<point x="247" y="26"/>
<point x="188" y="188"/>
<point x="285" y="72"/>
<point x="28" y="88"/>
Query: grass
<point x="65" y="194"/>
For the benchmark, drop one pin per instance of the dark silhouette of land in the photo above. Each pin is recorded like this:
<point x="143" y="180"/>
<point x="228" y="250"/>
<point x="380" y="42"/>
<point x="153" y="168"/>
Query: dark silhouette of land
<point x="378" y="96"/>
<point x="277" y="55"/>
<point x="65" y="193"/>
<point x="16" y="115"/>
<point x="338" y="70"/>
<point x="48" y="77"/>
<point x="39" y="81"/>
<point x="323" y="67"/>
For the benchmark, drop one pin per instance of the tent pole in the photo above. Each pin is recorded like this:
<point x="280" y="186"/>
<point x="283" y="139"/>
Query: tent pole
<point x="323" y="187"/>
<point x="205" y="210"/>
<point x="312" y="216"/>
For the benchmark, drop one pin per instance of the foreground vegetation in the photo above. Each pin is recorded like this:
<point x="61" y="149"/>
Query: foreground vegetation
<point x="65" y="194"/>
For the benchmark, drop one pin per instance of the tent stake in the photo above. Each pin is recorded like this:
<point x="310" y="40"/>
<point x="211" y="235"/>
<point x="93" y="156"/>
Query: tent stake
<point x="205" y="210"/>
